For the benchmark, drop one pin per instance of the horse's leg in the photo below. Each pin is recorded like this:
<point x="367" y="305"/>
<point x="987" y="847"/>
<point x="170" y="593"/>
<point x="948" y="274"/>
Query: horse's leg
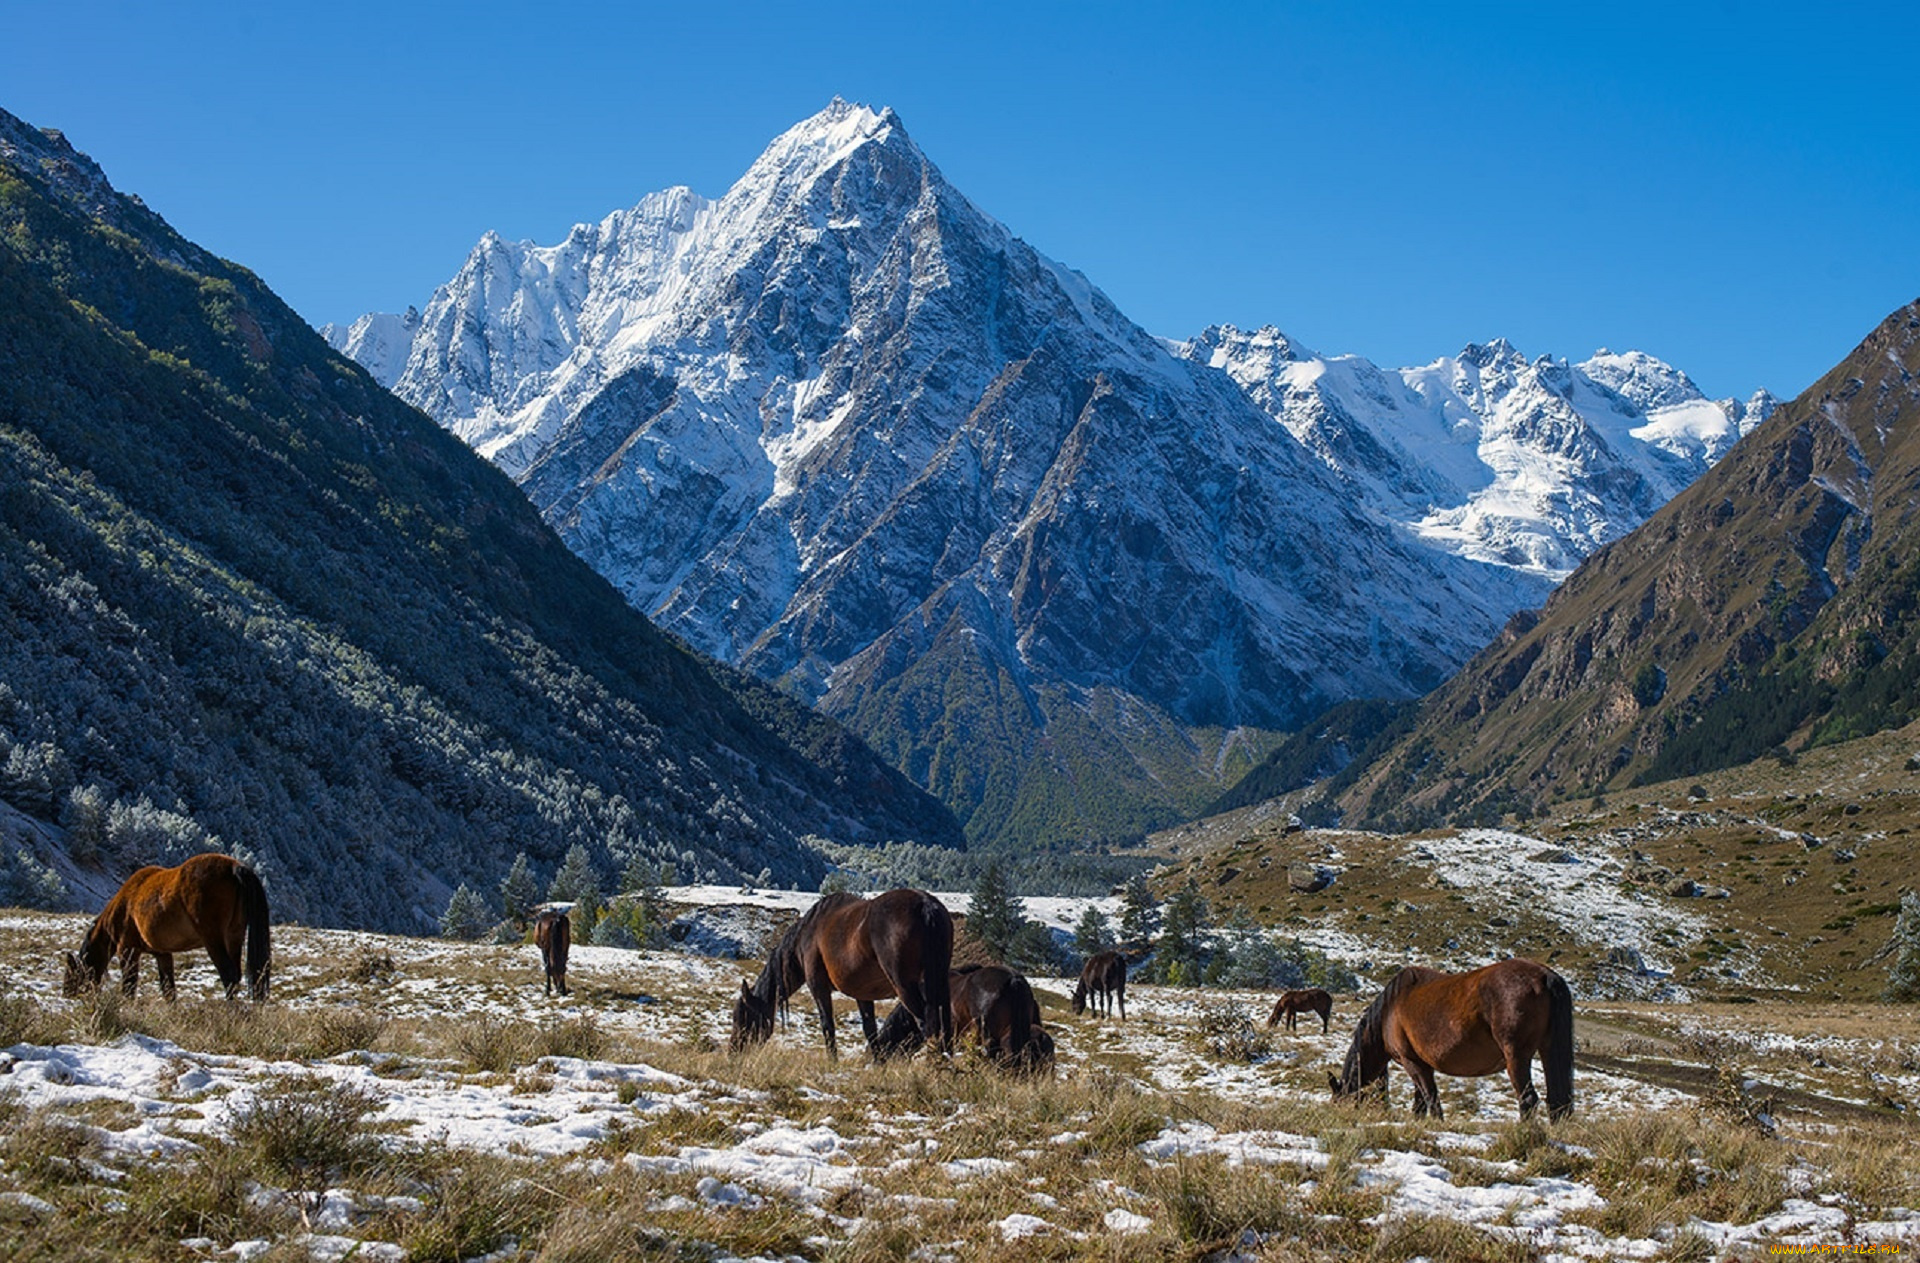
<point x="867" y="1023"/>
<point x="822" y="989"/>
<point x="226" y="964"/>
<point x="163" y="962"/>
<point x="1520" y="1072"/>
<point x="1426" y="1093"/>
<point x="130" y="970"/>
<point x="1326" y="1019"/>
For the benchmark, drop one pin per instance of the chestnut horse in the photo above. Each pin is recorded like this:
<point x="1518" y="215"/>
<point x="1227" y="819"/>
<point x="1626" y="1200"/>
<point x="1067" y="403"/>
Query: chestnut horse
<point x="553" y="931"/>
<point x="1467" y="1024"/>
<point x="896" y="944"/>
<point x="212" y="901"/>
<point x="993" y="1004"/>
<point x="1105" y="976"/>
<point x="1310" y="1000"/>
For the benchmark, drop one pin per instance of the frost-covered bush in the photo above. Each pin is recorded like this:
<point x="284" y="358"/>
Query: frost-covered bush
<point x="140" y="833"/>
<point x="27" y="883"/>
<point x="1903" y="975"/>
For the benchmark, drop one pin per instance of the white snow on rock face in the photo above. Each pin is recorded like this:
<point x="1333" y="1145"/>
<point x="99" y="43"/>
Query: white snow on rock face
<point x="840" y="405"/>
<point x="1527" y="464"/>
<point x="838" y="421"/>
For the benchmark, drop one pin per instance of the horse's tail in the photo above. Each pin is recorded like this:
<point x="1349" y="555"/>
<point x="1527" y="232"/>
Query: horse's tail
<point x="1558" y="1056"/>
<point x="253" y="901"/>
<point x="1020" y="1023"/>
<point x="936" y="963"/>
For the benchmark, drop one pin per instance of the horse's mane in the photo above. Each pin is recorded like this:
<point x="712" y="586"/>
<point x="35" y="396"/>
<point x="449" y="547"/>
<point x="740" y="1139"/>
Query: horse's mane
<point x="772" y="986"/>
<point x="1367" y="1033"/>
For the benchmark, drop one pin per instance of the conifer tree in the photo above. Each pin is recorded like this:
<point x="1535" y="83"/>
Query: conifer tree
<point x="1180" y="956"/>
<point x="648" y="916"/>
<point x="1250" y="958"/>
<point x="577" y="882"/>
<point x="518" y="891"/>
<point x="1093" y="934"/>
<point x="467" y="915"/>
<point x="995" y="916"/>
<point x="1139" y="914"/>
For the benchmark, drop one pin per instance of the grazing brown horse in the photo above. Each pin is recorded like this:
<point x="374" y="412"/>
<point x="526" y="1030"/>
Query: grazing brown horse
<point x="896" y="944"/>
<point x="993" y="1004"/>
<point x="1468" y="1025"/>
<point x="553" y="931"/>
<point x="1105" y="977"/>
<point x="212" y="901"/>
<point x="1310" y="1000"/>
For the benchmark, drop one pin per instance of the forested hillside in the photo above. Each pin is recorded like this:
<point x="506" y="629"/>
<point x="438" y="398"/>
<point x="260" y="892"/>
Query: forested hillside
<point x="248" y="598"/>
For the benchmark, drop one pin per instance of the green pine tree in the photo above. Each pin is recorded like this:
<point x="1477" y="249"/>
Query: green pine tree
<point x="647" y="917"/>
<point x="995" y="916"/>
<point x="1139" y="915"/>
<point x="467" y="915"/>
<point x="518" y="891"/>
<point x="1250" y="958"/>
<point x="577" y="882"/>
<point x="1180" y="957"/>
<point x="1093" y="934"/>
<point x="1903" y="976"/>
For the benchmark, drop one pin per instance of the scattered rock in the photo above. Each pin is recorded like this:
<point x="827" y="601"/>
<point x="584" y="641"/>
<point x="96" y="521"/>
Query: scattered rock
<point x="1683" y="888"/>
<point x="1554" y="855"/>
<point x="1309" y="879"/>
<point x="1624" y="957"/>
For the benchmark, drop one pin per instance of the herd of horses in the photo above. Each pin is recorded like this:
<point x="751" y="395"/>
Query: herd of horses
<point x="899" y="946"/>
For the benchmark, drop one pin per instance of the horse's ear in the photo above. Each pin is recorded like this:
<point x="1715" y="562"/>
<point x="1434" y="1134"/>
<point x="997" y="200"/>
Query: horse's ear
<point x="1333" y="1081"/>
<point x="746" y="989"/>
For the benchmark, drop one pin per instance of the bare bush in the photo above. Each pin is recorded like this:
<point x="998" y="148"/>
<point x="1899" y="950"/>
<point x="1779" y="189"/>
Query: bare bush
<point x="306" y="1128"/>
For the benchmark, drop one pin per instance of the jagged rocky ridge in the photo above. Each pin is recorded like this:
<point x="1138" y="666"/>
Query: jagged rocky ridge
<point x="1774" y="603"/>
<point x="249" y="598"/>
<point x="842" y="429"/>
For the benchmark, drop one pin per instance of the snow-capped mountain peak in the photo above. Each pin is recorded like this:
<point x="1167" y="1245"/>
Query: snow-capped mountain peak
<point x="842" y="428"/>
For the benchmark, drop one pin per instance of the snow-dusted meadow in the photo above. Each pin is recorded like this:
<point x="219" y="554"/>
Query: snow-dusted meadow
<point x="1188" y="1131"/>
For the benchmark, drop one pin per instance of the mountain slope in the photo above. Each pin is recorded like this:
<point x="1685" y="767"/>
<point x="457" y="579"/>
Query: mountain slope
<point x="247" y="593"/>
<point x="846" y="431"/>
<point x="1772" y="603"/>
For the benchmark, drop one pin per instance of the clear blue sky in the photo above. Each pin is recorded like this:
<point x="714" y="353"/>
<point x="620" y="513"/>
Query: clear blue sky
<point x="1734" y="187"/>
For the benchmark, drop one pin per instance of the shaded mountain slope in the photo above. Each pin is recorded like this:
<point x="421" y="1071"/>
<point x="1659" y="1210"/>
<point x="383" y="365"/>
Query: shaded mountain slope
<point x="246" y="593"/>
<point x="1774" y="603"/>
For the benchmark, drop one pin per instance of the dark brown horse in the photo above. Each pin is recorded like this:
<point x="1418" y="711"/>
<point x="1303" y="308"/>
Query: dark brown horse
<point x="1105" y="978"/>
<point x="896" y="944"/>
<point x="1468" y="1025"/>
<point x="992" y="1004"/>
<point x="212" y="901"/>
<point x="1310" y="1000"/>
<point x="553" y="931"/>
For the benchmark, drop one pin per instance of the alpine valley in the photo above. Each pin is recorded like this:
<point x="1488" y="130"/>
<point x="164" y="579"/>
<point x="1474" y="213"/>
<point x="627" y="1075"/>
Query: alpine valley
<point x="842" y="429"/>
